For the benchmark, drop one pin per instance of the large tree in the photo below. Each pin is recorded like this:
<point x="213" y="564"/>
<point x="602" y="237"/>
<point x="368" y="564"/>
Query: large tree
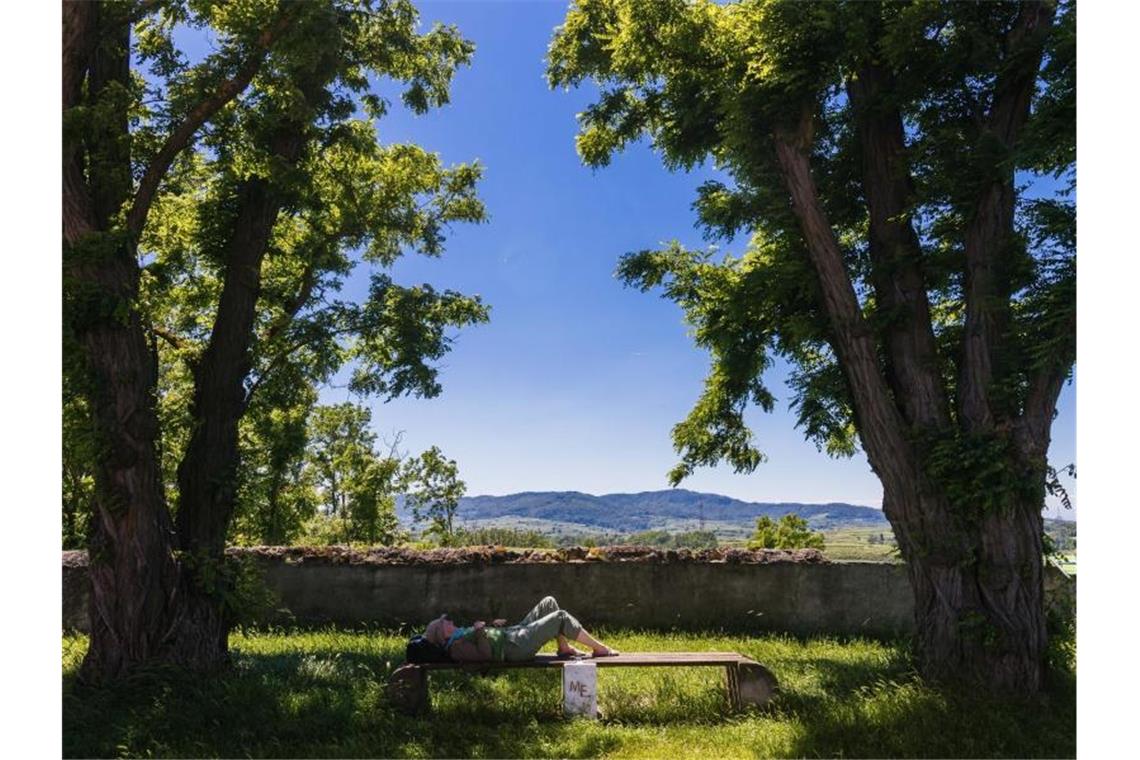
<point x="212" y="209"/>
<point x="358" y="485"/>
<point x="879" y="156"/>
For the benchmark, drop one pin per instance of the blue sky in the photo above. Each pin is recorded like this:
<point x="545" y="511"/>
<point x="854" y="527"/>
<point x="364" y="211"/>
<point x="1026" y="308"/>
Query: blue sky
<point x="576" y="381"/>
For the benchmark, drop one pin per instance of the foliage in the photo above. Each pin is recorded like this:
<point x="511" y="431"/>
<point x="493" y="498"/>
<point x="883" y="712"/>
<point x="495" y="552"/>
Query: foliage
<point x="710" y="83"/>
<point x="434" y="493"/>
<point x="340" y="450"/>
<point x="237" y="583"/>
<point x="1054" y="487"/>
<point x="357" y="485"/>
<point x="321" y="530"/>
<point x="589" y="540"/>
<point x="277" y="491"/>
<point x="1061" y="623"/>
<point x="791" y="532"/>
<point x="320" y="693"/>
<point x="977" y="473"/>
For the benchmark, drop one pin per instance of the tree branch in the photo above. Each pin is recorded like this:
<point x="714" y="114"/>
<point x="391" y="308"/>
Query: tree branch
<point x="879" y="421"/>
<point x="1044" y="389"/>
<point x="175" y="341"/>
<point x="280" y="357"/>
<point x="182" y="134"/>
<point x="990" y="229"/>
<point x="295" y="304"/>
<point x="896" y="253"/>
<point x="308" y="282"/>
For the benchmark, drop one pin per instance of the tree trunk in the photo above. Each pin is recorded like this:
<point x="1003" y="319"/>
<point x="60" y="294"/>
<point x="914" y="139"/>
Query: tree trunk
<point x="208" y="471"/>
<point x="132" y="571"/>
<point x="977" y="579"/>
<point x="979" y="601"/>
<point x="903" y="309"/>
<point x="990" y="233"/>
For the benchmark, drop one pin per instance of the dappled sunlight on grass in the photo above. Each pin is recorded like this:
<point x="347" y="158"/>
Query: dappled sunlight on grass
<point x="306" y="693"/>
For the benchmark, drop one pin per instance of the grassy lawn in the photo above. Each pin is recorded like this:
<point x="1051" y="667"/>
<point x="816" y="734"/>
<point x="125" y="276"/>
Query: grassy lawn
<point x="873" y="544"/>
<point x="320" y="694"/>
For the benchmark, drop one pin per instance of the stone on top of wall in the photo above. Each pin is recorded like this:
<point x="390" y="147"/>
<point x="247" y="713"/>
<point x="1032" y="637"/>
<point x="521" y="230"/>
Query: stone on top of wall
<point x="495" y="555"/>
<point x="498" y="555"/>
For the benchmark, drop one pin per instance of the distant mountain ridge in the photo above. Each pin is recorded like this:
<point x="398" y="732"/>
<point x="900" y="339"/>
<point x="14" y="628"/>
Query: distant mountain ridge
<point x="629" y="512"/>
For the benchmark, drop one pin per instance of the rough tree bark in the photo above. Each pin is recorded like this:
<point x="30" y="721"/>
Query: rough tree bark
<point x="132" y="571"/>
<point x="990" y="230"/>
<point x="912" y="366"/>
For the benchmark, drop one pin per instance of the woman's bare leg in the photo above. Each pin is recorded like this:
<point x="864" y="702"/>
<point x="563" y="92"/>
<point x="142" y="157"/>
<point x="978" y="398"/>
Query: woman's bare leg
<point x="564" y="646"/>
<point x="600" y="649"/>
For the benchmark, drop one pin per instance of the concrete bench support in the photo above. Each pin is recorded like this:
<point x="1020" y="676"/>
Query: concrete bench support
<point x="408" y="689"/>
<point x="747" y="682"/>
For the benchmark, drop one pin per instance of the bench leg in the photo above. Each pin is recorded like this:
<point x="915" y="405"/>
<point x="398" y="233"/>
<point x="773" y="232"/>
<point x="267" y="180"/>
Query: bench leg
<point x="732" y="687"/>
<point x="755" y="684"/>
<point x="408" y="690"/>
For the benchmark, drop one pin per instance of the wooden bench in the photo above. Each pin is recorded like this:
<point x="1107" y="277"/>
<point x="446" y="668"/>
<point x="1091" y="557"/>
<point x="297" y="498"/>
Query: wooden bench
<point x="747" y="682"/>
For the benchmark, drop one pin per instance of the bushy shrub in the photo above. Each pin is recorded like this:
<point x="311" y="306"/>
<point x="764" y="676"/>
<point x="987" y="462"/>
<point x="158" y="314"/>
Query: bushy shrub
<point x="327" y="530"/>
<point x="791" y="532"/>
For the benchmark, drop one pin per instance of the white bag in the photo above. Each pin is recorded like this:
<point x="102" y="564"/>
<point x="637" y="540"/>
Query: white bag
<point x="580" y="689"/>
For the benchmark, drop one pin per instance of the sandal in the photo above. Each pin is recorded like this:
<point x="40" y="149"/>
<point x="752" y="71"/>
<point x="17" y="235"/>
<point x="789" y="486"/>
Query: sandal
<point x="610" y="652"/>
<point x="570" y="655"/>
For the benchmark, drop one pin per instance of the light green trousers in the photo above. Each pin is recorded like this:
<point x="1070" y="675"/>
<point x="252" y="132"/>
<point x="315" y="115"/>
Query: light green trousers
<point x="543" y="623"/>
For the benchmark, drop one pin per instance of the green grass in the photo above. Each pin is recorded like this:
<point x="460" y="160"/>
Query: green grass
<point x="860" y="544"/>
<point x="320" y="694"/>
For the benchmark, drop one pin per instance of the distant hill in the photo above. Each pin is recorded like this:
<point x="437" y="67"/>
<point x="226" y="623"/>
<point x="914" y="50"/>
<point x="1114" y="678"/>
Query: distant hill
<point x="629" y="512"/>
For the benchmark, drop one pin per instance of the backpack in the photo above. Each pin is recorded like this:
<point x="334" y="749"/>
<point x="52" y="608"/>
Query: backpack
<point x="420" y="650"/>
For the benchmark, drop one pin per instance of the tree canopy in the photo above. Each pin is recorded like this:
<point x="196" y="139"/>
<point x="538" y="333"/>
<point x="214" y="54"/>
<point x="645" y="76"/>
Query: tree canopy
<point x="711" y="82"/>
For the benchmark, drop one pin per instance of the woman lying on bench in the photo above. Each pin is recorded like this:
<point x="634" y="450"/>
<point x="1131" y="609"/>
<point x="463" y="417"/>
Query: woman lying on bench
<point x="516" y="643"/>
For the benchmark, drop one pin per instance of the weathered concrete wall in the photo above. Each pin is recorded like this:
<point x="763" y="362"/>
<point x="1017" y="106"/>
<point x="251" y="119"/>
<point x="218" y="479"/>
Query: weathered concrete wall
<point x="839" y="598"/>
<point x="865" y="598"/>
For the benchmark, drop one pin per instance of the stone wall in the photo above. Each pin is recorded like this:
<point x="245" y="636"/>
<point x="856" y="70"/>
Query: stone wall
<point x="798" y="594"/>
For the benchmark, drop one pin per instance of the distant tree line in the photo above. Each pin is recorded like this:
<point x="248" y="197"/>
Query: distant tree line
<point x="535" y="539"/>
<point x="311" y="474"/>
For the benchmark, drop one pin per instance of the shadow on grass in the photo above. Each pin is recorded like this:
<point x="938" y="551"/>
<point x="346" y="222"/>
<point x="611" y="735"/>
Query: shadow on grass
<point x="330" y="702"/>
<point x="855" y="711"/>
<point x="306" y="705"/>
